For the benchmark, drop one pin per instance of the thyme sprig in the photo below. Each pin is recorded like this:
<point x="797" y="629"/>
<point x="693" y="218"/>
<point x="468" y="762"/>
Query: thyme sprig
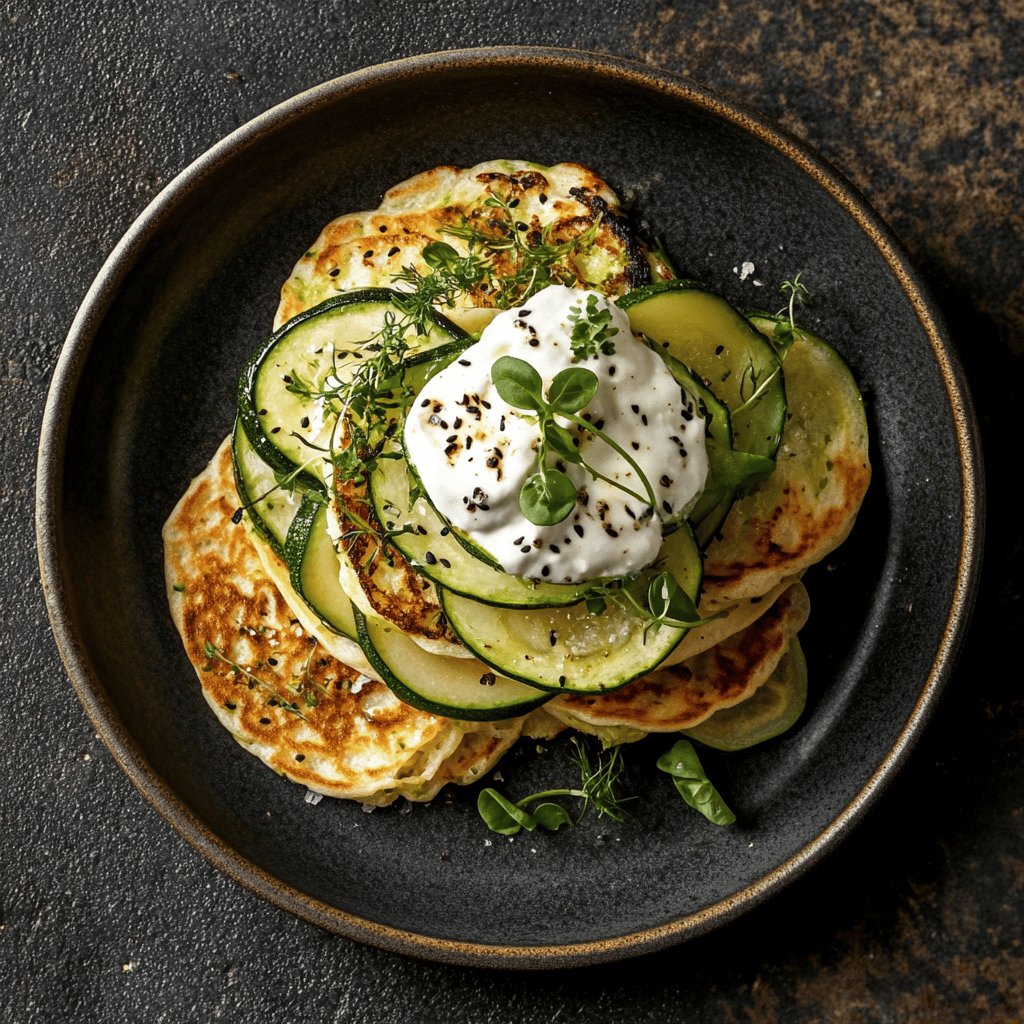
<point x="535" y="264"/>
<point x="599" y="777"/>
<point x="215" y="653"/>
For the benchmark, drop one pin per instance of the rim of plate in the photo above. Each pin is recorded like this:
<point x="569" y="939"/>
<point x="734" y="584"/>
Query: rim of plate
<point x="49" y="490"/>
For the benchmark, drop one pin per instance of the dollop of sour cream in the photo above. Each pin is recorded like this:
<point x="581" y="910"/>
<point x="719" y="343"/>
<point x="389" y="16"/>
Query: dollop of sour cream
<point x="473" y="452"/>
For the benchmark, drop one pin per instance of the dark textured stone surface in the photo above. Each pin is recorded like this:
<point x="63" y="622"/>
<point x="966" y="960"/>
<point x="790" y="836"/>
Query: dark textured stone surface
<point x="106" y="915"/>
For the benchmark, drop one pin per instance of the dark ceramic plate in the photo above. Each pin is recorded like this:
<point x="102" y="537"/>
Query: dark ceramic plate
<point x="143" y="394"/>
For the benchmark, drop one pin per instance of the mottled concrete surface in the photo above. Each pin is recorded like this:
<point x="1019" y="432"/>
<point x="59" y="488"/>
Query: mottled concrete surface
<point x="106" y="915"/>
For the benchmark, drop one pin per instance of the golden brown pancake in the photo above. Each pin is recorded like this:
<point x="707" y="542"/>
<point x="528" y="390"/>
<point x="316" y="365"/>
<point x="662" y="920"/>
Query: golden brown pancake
<point x="808" y="506"/>
<point x="362" y="250"/>
<point x="303" y="712"/>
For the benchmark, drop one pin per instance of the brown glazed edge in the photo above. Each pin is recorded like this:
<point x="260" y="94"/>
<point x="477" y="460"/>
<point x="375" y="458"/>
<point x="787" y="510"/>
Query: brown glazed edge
<point x="127" y="754"/>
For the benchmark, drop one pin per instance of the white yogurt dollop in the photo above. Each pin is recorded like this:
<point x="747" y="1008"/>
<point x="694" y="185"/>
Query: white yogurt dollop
<point x="473" y="451"/>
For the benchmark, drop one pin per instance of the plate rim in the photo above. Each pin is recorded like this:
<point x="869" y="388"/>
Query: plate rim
<point x="90" y="689"/>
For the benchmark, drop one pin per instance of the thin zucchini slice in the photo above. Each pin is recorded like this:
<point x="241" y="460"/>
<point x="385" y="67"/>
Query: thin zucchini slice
<point x="452" y="687"/>
<point x="774" y="708"/>
<point x="314" y="566"/>
<point x="570" y="649"/>
<point x="289" y="429"/>
<point x="707" y="334"/>
<point x="419" y="533"/>
<point x="269" y="506"/>
<point x="698" y="328"/>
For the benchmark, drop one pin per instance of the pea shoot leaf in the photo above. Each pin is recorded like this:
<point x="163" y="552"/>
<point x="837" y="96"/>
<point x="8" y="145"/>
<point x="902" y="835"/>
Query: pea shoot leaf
<point x="518" y="383"/>
<point x="547" y="497"/>
<point x="572" y="389"/>
<point x="692" y="783"/>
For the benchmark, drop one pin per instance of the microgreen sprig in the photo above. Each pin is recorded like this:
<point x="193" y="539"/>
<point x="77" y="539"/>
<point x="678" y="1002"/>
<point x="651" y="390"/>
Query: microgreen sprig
<point x="667" y="604"/>
<point x="548" y="496"/>
<point x="592" y="330"/>
<point x="798" y="294"/>
<point x="599" y="777"/>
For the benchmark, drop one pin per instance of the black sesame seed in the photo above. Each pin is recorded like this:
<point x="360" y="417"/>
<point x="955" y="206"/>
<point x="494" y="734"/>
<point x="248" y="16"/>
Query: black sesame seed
<point x="719" y="349"/>
<point x="451" y="437"/>
<point x="367" y="254"/>
<point x="263" y="412"/>
<point x="421" y="529"/>
<point x="543" y="198"/>
<point x="561" y="680"/>
<point x="611" y="370"/>
<point x="513" y="203"/>
<point x="286" y="379"/>
<point x="667" y="507"/>
<point x="264" y="721"/>
<point x="271" y="661"/>
<point x="521" y="226"/>
<point x="445" y="530"/>
<point x="275" y="430"/>
<point x="578" y="530"/>
<point x="300" y="757"/>
<point x="519" y="540"/>
<point x="335" y="272"/>
<point x="545" y="570"/>
<point x="525" y="549"/>
<point x="666" y="480"/>
<point x="635" y="408"/>
<point x="393" y="250"/>
<point x="445" y="563"/>
<point x="430" y="558"/>
<point x="555" y="548"/>
<point x="383" y="228"/>
<point x="424" y="403"/>
<point x="610" y="531"/>
<point x="524" y="312"/>
<point x="236" y="516"/>
<point x="469" y="442"/>
<point x="635" y="445"/>
<point x="304" y="422"/>
<point x="534" y="343"/>
<point x="465" y="362"/>
<point x="553" y="637"/>
<point x="488" y="679"/>
<point x="458" y="422"/>
<point x="643" y="419"/>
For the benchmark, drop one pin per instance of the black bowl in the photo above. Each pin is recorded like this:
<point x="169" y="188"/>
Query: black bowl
<point x="143" y="393"/>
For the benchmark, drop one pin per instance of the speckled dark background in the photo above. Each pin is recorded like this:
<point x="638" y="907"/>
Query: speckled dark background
<point x="106" y="915"/>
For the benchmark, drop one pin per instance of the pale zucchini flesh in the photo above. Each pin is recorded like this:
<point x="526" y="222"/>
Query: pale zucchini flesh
<point x="572" y="649"/>
<point x="453" y="687"/>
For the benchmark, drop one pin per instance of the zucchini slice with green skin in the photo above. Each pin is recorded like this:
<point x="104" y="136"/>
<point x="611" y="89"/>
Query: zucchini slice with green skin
<point x="288" y="429"/>
<point x="570" y="649"/>
<point x="314" y="567"/>
<point x="700" y="329"/>
<point x="431" y="546"/>
<point x="269" y="506"/>
<point x="713" y="339"/>
<point x="457" y="688"/>
<point x="774" y="707"/>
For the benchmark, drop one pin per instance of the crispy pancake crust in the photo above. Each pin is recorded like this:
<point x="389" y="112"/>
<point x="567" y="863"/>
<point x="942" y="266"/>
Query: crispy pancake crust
<point x="809" y="504"/>
<point x="307" y="715"/>
<point x="367" y="249"/>
<point x="670" y="699"/>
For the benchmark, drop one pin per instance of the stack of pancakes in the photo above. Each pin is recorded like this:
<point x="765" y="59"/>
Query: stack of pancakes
<point x="305" y="700"/>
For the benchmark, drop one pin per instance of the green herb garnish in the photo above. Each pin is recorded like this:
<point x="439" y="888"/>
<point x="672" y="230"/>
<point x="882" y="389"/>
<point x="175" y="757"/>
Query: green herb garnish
<point x="548" y="496"/>
<point x="597" y="789"/>
<point x="683" y="764"/>
<point x="592" y="330"/>
<point x="214" y="653"/>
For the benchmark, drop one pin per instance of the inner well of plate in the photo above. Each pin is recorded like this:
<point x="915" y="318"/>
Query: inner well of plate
<point x="155" y="397"/>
